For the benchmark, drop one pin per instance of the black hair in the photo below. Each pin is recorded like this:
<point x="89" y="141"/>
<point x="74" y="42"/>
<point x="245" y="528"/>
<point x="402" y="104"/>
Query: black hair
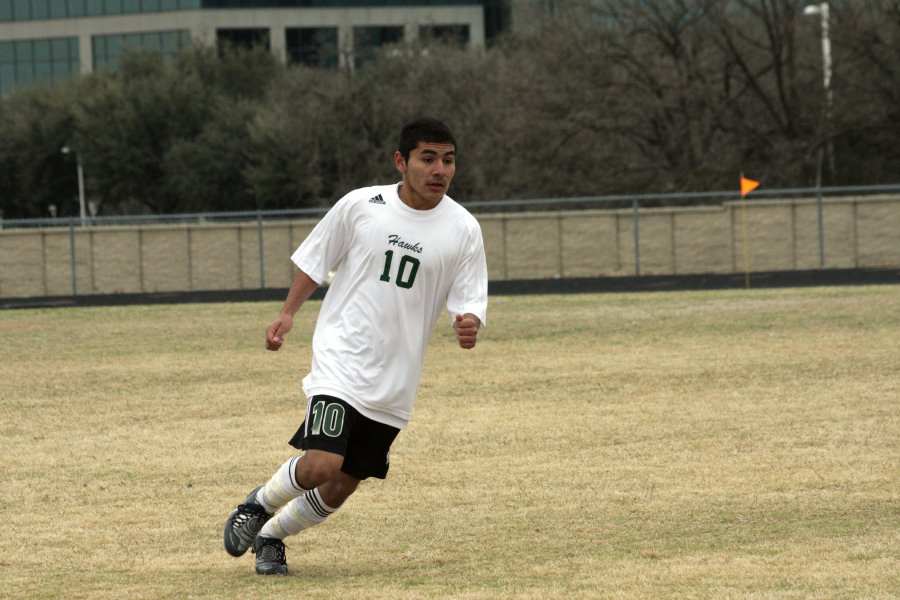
<point x="424" y="129"/>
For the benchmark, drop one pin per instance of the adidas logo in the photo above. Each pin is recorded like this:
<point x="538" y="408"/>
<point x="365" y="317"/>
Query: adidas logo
<point x="377" y="200"/>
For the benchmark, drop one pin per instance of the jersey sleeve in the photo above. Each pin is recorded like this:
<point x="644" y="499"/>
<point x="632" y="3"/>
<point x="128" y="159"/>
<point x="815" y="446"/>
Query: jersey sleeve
<point x="468" y="292"/>
<point x="326" y="244"/>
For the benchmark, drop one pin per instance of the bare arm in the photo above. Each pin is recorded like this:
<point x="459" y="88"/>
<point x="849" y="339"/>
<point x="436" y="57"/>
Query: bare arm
<point x="301" y="289"/>
<point x="466" y="328"/>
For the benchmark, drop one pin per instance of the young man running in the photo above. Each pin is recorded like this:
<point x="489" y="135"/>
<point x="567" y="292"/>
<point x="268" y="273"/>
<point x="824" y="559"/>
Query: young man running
<point x="404" y="250"/>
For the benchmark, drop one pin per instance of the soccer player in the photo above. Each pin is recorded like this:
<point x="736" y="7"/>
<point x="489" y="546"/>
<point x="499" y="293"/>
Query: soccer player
<point x="404" y="250"/>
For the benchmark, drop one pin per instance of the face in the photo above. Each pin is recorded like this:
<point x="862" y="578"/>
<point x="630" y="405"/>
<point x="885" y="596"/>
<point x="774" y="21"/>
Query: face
<point x="427" y="174"/>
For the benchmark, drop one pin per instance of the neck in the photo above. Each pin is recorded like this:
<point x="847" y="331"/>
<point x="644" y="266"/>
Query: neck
<point x="413" y="200"/>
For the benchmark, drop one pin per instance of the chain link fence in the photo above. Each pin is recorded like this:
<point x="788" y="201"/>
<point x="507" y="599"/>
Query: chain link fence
<point x="592" y="236"/>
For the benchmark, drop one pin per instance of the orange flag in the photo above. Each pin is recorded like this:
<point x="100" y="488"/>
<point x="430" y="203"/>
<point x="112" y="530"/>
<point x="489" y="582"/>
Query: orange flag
<point x="747" y="186"/>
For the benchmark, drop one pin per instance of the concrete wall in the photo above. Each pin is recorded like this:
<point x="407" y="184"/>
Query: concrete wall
<point x="780" y="235"/>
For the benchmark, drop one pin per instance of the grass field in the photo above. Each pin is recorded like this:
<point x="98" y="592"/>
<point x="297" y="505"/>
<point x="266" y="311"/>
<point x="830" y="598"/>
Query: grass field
<point x="729" y="444"/>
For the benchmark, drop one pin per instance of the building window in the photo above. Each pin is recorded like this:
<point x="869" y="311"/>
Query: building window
<point x="35" y="10"/>
<point x="497" y="18"/>
<point x="457" y="35"/>
<point x="21" y="10"/>
<point x="94" y="8"/>
<point x="65" y="61"/>
<point x="40" y="10"/>
<point x="367" y="40"/>
<point x="58" y="9"/>
<point x="312" y="46"/>
<point x="108" y="49"/>
<point x="245" y="38"/>
<point x="25" y="61"/>
<point x="76" y="8"/>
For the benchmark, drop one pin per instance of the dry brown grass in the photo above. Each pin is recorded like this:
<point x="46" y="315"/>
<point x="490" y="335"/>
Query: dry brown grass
<point x="735" y="444"/>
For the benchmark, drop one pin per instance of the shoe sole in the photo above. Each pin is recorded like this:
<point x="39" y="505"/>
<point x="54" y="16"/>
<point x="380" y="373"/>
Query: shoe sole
<point x="234" y="545"/>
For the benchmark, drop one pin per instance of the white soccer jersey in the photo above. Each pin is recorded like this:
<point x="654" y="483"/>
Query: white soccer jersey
<point x="398" y="266"/>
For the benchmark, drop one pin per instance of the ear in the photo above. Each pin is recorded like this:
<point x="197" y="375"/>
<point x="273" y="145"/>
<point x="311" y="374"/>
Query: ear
<point x="399" y="163"/>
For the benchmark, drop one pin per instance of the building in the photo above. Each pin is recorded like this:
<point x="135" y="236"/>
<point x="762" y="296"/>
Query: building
<point x="43" y="40"/>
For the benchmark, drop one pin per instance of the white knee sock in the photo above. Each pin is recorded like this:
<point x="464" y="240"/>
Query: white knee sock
<point x="300" y="513"/>
<point x="282" y="488"/>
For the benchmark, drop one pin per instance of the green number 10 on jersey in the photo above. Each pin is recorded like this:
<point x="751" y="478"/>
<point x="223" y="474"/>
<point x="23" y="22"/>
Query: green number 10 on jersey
<point x="407" y="268"/>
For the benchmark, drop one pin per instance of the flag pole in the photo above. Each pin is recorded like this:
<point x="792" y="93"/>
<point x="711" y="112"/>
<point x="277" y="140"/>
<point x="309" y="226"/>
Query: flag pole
<point x="747" y="186"/>
<point x="746" y="246"/>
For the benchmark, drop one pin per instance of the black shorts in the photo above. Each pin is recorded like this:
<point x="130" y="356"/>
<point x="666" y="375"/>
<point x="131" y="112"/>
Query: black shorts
<point x="333" y="425"/>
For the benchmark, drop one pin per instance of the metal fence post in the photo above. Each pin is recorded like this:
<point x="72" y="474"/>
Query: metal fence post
<point x="637" y="236"/>
<point x="505" y="249"/>
<point x="559" y="239"/>
<point x="140" y="245"/>
<point x="821" y="230"/>
<point x="819" y="157"/>
<point x="74" y="266"/>
<point x="262" y="258"/>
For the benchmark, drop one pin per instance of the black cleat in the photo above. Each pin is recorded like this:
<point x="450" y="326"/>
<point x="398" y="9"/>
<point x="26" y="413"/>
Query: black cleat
<point x="270" y="558"/>
<point x="244" y="524"/>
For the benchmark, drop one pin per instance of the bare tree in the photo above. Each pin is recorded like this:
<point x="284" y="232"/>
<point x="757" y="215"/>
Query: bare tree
<point x="867" y="90"/>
